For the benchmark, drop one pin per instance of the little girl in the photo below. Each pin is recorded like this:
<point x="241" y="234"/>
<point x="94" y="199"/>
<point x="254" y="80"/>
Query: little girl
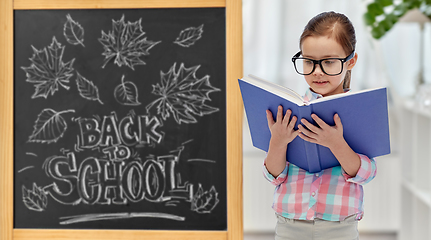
<point x="327" y="204"/>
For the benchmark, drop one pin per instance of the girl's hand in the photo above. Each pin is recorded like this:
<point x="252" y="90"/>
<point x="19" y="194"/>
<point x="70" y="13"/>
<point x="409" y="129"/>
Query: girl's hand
<point x="332" y="138"/>
<point x="325" y="135"/>
<point x="282" y="130"/>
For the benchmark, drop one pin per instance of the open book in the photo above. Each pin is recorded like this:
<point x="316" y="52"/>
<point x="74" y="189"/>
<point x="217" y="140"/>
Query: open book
<point x="364" y="116"/>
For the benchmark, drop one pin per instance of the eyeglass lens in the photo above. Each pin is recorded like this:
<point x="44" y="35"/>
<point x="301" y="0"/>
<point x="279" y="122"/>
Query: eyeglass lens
<point x="330" y="66"/>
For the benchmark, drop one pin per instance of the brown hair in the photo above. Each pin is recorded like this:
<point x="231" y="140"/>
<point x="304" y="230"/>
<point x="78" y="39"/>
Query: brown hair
<point x="336" y="26"/>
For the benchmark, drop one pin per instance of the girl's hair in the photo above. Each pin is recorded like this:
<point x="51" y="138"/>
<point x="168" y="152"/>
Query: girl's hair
<point x="336" y="26"/>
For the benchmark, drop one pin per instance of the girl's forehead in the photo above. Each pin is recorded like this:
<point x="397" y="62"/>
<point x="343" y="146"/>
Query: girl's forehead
<point x="321" y="46"/>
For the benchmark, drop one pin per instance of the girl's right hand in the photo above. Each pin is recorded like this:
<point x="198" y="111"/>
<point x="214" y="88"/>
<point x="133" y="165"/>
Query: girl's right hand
<point x="282" y="130"/>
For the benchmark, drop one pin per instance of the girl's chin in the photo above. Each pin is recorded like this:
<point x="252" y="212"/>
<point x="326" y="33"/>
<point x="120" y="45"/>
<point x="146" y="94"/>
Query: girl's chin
<point x="324" y="89"/>
<point x="320" y="87"/>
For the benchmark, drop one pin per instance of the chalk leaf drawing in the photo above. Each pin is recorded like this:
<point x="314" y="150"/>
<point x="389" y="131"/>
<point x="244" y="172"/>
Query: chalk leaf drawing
<point x="189" y="36"/>
<point x="35" y="199"/>
<point x="182" y="94"/>
<point x="49" y="126"/>
<point x="87" y="89"/>
<point x="205" y="202"/>
<point x="73" y="31"/>
<point x="126" y="43"/>
<point x="126" y="93"/>
<point x="48" y="70"/>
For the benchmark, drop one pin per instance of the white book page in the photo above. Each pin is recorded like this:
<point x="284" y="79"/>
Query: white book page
<point x="278" y="90"/>
<point x="342" y="95"/>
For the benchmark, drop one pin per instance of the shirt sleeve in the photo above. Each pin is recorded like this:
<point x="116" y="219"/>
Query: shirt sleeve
<point x="279" y="179"/>
<point x="367" y="171"/>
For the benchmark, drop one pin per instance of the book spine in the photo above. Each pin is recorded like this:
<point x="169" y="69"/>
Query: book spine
<point x="311" y="149"/>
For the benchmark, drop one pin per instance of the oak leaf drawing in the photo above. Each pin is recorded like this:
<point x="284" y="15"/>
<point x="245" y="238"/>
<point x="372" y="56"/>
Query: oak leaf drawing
<point x="204" y="201"/>
<point x="126" y="43"/>
<point x="189" y="36"/>
<point x="35" y="199"/>
<point x="49" y="126"/>
<point x="73" y="31"/>
<point x="47" y="70"/>
<point x="183" y="95"/>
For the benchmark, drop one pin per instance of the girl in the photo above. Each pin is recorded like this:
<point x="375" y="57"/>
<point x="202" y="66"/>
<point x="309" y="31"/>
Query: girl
<point x="328" y="204"/>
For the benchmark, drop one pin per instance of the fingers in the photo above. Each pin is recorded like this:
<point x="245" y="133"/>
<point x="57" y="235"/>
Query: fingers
<point x="307" y="138"/>
<point x="292" y="122"/>
<point x="319" y="121"/>
<point x="337" y="120"/>
<point x="280" y="114"/>
<point x="321" y="134"/>
<point x="269" y="118"/>
<point x="309" y="125"/>
<point x="306" y="132"/>
<point x="279" y="117"/>
<point x="286" y="119"/>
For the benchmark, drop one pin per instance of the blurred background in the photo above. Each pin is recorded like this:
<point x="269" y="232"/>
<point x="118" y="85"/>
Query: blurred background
<point x="394" y="51"/>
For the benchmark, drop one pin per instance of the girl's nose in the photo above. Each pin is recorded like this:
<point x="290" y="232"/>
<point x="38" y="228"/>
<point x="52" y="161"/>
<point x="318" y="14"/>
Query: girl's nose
<point x="317" y="70"/>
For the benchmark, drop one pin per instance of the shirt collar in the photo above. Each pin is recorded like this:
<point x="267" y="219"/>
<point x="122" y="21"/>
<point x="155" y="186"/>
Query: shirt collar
<point x="310" y="95"/>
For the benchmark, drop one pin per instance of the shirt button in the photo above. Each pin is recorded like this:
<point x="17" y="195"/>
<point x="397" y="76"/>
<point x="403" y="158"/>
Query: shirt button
<point x="313" y="194"/>
<point x="317" y="174"/>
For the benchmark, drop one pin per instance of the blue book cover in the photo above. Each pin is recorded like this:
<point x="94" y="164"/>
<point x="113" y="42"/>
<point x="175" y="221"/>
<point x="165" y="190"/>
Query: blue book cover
<point x="364" y="116"/>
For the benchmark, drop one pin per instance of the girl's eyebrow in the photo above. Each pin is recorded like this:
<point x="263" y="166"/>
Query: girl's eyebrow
<point x="325" y="56"/>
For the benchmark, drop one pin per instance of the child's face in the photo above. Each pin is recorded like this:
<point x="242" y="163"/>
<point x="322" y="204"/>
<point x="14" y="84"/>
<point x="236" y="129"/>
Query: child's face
<point x="323" y="47"/>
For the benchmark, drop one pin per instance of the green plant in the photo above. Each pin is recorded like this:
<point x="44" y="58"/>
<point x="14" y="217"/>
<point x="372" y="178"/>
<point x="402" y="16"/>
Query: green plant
<point x="381" y="15"/>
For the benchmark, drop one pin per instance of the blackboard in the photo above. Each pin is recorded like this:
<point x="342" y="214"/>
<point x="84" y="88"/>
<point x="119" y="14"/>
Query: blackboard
<point x="120" y="119"/>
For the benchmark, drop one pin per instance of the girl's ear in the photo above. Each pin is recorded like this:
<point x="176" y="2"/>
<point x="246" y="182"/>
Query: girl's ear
<point x="352" y="62"/>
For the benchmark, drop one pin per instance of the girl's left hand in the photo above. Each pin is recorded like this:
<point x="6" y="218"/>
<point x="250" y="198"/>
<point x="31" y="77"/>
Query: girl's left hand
<point x="325" y="135"/>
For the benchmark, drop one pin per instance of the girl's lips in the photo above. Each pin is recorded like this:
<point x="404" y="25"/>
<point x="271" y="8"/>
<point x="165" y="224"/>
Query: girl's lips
<point x="320" y="82"/>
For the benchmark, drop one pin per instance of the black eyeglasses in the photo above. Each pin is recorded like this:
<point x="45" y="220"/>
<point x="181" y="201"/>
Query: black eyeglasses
<point x="330" y="66"/>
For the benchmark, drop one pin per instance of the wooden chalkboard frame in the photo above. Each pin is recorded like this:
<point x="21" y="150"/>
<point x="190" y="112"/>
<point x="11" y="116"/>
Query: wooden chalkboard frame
<point x="233" y="121"/>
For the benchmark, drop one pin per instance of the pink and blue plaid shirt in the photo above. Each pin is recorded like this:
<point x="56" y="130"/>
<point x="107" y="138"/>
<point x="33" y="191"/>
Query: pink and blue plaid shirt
<point x="330" y="194"/>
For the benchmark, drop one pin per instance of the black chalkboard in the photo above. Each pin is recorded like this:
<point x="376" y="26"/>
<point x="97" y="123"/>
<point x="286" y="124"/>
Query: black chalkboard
<point x="120" y="119"/>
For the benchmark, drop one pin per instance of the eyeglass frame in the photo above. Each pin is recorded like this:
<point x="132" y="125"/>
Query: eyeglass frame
<point x="343" y="60"/>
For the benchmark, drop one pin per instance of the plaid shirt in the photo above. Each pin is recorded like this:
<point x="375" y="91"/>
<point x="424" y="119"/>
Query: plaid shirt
<point x="330" y="194"/>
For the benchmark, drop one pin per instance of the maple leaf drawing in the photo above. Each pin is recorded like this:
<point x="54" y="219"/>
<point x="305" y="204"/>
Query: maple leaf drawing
<point x="47" y="70"/>
<point x="182" y="94"/>
<point x="204" y="201"/>
<point x="35" y="199"/>
<point x="126" y="43"/>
